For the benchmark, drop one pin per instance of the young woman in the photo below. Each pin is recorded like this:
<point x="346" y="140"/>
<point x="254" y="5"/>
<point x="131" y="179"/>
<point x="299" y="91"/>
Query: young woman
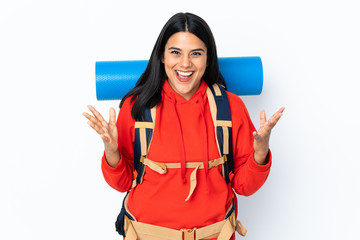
<point x="183" y="193"/>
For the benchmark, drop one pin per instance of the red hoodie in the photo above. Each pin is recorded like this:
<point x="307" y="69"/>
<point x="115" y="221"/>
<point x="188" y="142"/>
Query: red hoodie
<point x="160" y="199"/>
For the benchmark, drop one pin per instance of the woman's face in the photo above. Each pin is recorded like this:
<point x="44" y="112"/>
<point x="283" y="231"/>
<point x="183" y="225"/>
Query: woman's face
<point x="185" y="60"/>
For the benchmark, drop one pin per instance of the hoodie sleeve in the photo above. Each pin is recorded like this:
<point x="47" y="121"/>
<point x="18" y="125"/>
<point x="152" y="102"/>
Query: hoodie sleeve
<point x="120" y="177"/>
<point x="249" y="176"/>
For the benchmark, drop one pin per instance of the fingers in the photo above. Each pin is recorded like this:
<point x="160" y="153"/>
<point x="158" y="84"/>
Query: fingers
<point x="94" y="123"/>
<point x="97" y="122"/>
<point x="267" y="126"/>
<point x="256" y="136"/>
<point x="275" y="118"/>
<point x="262" y="118"/>
<point x="96" y="113"/>
<point x="112" y="120"/>
<point x="98" y="116"/>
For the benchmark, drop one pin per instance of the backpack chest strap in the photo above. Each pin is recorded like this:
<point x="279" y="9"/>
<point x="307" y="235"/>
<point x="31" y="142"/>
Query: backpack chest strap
<point x="161" y="168"/>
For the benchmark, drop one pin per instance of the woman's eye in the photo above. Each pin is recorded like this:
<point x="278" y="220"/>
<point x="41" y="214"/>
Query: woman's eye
<point x="175" y="52"/>
<point x="196" y="53"/>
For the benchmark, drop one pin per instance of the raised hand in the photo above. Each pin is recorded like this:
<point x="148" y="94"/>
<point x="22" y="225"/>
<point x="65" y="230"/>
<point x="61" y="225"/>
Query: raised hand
<point x="262" y="136"/>
<point x="107" y="131"/>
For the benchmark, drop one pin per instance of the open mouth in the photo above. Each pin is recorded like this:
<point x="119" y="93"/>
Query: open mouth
<point x="184" y="76"/>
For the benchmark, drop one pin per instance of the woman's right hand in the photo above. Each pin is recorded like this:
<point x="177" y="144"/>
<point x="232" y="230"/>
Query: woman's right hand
<point x="107" y="131"/>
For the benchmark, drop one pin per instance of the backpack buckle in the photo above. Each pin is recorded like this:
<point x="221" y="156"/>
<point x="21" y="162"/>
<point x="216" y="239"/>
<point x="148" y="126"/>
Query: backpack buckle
<point x="189" y="234"/>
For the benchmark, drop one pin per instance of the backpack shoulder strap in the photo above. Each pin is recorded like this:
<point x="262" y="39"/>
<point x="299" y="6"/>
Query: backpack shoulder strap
<point x="143" y="135"/>
<point x="221" y="115"/>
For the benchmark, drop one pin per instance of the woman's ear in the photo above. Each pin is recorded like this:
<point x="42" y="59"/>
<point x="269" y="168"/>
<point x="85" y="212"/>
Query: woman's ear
<point x="162" y="58"/>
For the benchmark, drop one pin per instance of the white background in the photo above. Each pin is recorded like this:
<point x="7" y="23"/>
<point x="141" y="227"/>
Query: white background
<point x="50" y="178"/>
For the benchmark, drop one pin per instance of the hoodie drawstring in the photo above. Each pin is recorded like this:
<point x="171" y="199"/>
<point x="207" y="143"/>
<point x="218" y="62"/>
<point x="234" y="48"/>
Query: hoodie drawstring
<point x="181" y="146"/>
<point x="180" y="140"/>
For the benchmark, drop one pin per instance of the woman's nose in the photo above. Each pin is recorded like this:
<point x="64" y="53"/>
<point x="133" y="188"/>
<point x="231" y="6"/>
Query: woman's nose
<point x="185" y="61"/>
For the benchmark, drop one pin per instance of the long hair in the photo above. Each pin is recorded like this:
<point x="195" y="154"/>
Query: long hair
<point x="147" y="91"/>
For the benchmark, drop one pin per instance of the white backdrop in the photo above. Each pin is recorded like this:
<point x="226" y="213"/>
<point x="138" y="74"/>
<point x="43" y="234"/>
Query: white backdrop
<point x="50" y="177"/>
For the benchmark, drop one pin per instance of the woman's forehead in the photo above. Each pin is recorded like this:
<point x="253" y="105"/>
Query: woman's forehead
<point x="184" y="41"/>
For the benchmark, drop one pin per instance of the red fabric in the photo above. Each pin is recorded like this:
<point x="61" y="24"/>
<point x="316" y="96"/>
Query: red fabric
<point x="160" y="199"/>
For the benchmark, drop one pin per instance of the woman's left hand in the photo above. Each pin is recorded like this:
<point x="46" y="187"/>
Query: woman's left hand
<point x="262" y="136"/>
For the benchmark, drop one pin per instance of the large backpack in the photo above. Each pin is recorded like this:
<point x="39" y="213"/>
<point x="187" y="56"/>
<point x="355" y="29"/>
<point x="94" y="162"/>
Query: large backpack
<point x="221" y="115"/>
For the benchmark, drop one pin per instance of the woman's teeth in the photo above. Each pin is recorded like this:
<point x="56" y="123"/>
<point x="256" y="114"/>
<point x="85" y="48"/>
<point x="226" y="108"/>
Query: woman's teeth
<point x="184" y="74"/>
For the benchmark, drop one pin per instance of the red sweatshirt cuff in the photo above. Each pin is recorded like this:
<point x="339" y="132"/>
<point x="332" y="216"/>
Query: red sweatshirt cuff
<point x="107" y="167"/>
<point x="254" y="166"/>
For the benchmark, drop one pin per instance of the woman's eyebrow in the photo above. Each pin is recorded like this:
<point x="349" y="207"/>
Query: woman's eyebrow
<point x="193" y="50"/>
<point x="198" y="49"/>
<point x="174" y="48"/>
